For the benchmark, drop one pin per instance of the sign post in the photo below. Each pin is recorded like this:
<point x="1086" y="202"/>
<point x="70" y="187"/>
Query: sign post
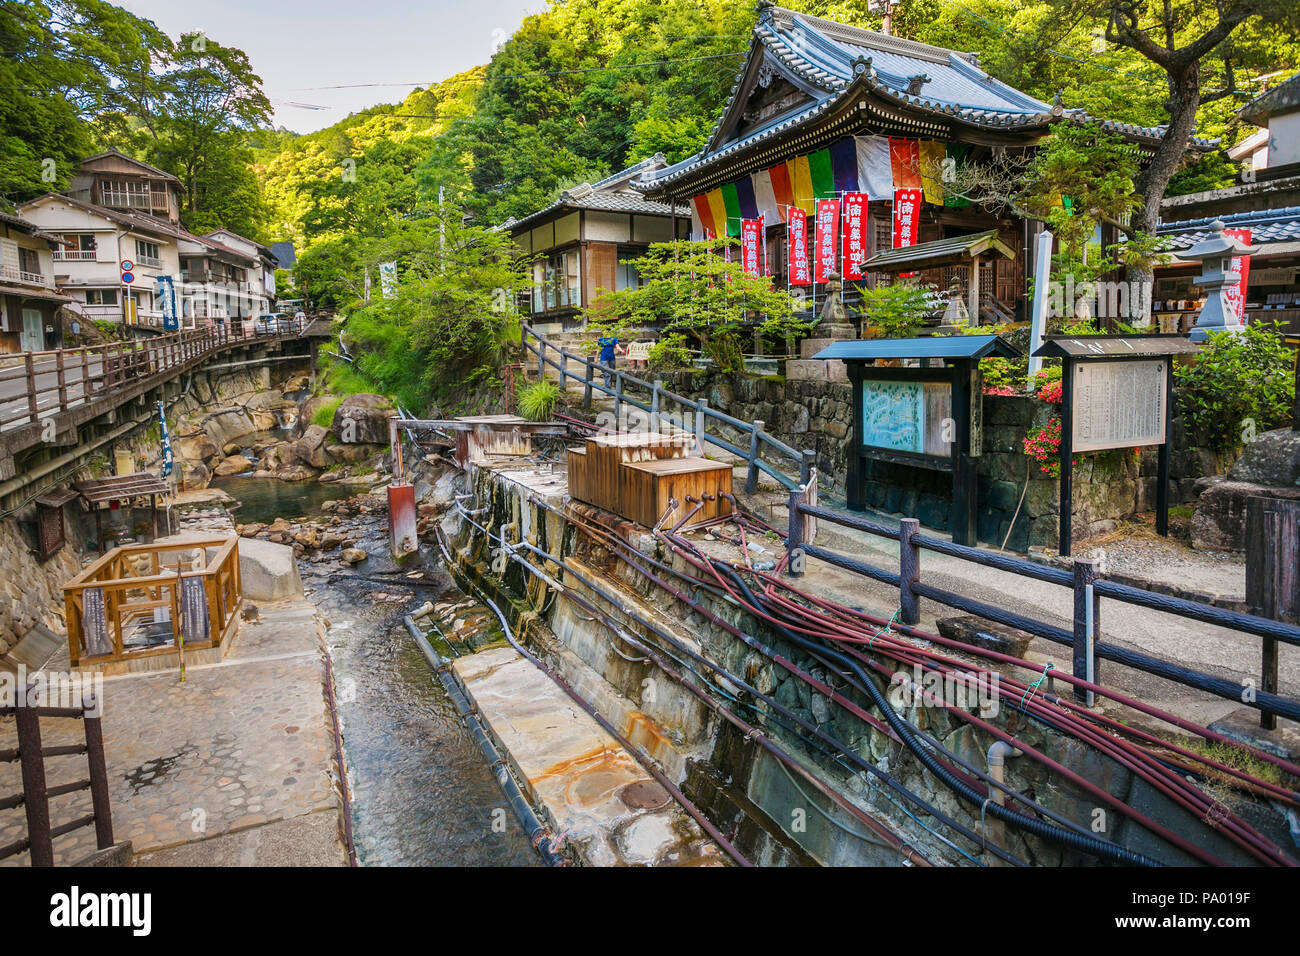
<point x="1115" y="393"/>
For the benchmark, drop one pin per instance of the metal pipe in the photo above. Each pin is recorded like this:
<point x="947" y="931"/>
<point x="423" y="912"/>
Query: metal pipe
<point x="543" y="840"/>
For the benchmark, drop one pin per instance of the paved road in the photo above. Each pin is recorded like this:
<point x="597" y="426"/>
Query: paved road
<point x="14" y="396"/>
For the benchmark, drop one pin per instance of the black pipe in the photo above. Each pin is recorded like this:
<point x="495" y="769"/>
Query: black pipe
<point x="1075" y="841"/>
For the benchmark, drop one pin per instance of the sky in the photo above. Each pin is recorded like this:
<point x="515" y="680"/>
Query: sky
<point x="297" y="47"/>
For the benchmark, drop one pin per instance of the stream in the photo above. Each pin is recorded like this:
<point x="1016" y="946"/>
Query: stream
<point x="422" y="793"/>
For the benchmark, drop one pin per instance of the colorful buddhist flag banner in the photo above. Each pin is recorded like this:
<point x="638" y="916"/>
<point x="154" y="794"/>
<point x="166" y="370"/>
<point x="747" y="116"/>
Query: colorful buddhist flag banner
<point x="745" y="195"/>
<point x="875" y="175"/>
<point x="1240" y="264"/>
<point x="765" y="197"/>
<point x="701" y="216"/>
<point x="731" y="203"/>
<point x="855" y="234"/>
<point x="907" y="217"/>
<point x="825" y="245"/>
<point x="905" y="163"/>
<point x="932" y="155"/>
<point x="822" y="174"/>
<point x="801" y="184"/>
<point x="844" y="164"/>
<point x="782" y="189"/>
<point x="719" y="212"/>
<point x="750" y="232"/>
<point x="956" y="152"/>
<point x="797" y="234"/>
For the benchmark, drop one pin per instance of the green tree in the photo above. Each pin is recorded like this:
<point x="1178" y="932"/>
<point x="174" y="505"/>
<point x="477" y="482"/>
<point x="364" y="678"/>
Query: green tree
<point x="688" y="288"/>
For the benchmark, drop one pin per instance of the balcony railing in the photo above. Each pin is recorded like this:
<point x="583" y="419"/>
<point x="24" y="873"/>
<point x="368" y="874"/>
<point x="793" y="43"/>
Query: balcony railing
<point x="74" y="255"/>
<point x="119" y="200"/>
<point x="20" y="275"/>
<point x="149" y="261"/>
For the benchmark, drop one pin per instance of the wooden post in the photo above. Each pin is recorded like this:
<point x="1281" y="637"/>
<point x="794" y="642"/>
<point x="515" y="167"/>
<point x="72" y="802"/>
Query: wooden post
<point x="98" y="773"/>
<point x="1066" y="453"/>
<point x="965" y="506"/>
<point x="1087" y="625"/>
<point x="32" y="406"/>
<point x="1162" y="459"/>
<point x="794" y="539"/>
<point x="63" y="381"/>
<point x="909" y="571"/>
<point x="751" y="476"/>
<point x="1272" y="536"/>
<point x="35" y="797"/>
<point x="807" y="460"/>
<point x="541" y="359"/>
<point x="854" y="481"/>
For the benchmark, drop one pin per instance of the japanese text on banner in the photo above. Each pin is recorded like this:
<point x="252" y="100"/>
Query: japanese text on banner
<point x="800" y="273"/>
<point x="855" y="235"/>
<point x="828" y="220"/>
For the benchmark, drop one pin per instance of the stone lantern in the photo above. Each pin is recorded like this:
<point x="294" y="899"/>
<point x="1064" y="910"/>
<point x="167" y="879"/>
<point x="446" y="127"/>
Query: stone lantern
<point x="1217" y="276"/>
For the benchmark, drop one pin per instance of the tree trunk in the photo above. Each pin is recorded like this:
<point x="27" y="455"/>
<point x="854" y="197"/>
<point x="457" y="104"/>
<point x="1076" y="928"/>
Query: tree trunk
<point x="1184" y="98"/>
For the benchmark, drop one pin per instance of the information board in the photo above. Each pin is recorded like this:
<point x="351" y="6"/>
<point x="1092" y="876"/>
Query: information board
<point x="912" y="417"/>
<point x="1118" y="404"/>
<point x="94" y="623"/>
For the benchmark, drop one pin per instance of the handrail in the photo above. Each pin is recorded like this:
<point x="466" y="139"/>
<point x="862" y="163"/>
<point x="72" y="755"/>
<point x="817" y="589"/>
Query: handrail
<point x="56" y="380"/>
<point x="758" y="439"/>
<point x="1084" y="636"/>
<point x="36" y="793"/>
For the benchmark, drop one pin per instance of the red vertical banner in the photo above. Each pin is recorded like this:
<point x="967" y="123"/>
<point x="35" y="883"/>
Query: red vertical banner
<point x="826" y="238"/>
<point x="1240" y="265"/>
<point x="750" y="230"/>
<point x="800" y="274"/>
<point x="855" y="235"/>
<point x="907" y="217"/>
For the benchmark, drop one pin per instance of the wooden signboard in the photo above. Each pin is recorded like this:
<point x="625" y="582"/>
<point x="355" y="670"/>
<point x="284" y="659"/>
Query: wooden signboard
<point x="94" y="623"/>
<point x="1120" y="404"/>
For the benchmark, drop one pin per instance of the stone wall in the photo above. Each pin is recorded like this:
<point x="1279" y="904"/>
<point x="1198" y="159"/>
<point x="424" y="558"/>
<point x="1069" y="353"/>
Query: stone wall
<point x="30" y="590"/>
<point x="1108" y="486"/>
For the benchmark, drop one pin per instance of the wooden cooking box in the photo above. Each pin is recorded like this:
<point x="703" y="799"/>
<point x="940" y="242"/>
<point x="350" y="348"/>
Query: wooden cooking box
<point x="634" y="475"/>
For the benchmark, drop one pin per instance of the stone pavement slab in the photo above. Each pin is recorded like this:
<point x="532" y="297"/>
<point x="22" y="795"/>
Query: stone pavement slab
<point x="241" y="743"/>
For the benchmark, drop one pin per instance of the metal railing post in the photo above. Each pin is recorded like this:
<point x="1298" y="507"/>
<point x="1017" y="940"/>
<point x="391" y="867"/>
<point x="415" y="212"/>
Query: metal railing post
<point x="541" y="359"/>
<point x="909" y="571"/>
<point x="98" y="773"/>
<point x="586" y="383"/>
<point x="618" y="401"/>
<point x="751" y="476"/>
<point x="701" y="414"/>
<point x="35" y="797"/>
<point x="1087" y="624"/>
<point x="654" y="404"/>
<point x="794" y="539"/>
<point x="807" y="459"/>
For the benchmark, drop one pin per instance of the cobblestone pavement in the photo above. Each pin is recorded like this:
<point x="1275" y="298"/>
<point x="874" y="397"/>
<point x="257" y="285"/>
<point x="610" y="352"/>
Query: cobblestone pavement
<point x="241" y="743"/>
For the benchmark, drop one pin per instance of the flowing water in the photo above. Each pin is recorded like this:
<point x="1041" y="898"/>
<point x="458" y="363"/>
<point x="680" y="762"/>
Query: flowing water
<point x="422" y="791"/>
<point x="262" y="500"/>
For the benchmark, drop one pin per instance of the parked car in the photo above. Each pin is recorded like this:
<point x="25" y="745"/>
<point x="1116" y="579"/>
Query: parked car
<point x="273" y="323"/>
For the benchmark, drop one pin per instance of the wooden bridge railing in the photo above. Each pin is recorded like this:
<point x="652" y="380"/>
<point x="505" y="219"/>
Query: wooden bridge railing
<point x="37" y="385"/>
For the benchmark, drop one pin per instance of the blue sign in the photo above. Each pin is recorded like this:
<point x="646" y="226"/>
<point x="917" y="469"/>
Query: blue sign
<point x="167" y="300"/>
<point x="168" y="460"/>
<point x="128" y="277"/>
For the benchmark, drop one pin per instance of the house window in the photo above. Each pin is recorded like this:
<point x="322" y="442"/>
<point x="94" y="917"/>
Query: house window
<point x="101" y="297"/>
<point x="125" y="195"/>
<point x="146" y="253"/>
<point x="626" y="275"/>
<point x="556" y="282"/>
<point x="29" y="264"/>
<point x="82" y="246"/>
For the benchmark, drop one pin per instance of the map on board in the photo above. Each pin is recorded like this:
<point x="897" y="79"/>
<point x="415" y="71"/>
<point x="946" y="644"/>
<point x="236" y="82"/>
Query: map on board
<point x="894" y="415"/>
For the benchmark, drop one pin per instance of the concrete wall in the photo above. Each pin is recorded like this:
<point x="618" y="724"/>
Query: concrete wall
<point x="767" y="813"/>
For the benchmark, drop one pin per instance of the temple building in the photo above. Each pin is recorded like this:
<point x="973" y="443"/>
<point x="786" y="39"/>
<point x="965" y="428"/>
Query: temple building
<point x="838" y="145"/>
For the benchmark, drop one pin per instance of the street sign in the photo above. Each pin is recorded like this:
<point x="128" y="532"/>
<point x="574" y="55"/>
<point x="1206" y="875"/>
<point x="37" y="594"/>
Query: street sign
<point x="127" y="265"/>
<point x="128" y="278"/>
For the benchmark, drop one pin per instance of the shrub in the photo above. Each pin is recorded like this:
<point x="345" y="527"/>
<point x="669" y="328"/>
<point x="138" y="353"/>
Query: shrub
<point x="324" y="415"/>
<point x="669" y="353"/>
<point x="897" y="310"/>
<point x="1240" y="383"/>
<point x="537" y="400"/>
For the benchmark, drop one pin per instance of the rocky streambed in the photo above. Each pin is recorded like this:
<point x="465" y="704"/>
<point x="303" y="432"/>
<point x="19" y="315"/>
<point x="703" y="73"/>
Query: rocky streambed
<point x="241" y="429"/>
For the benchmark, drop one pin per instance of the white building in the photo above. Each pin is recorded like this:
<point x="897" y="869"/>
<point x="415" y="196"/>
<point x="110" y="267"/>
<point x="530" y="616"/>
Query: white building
<point x="119" y="212"/>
